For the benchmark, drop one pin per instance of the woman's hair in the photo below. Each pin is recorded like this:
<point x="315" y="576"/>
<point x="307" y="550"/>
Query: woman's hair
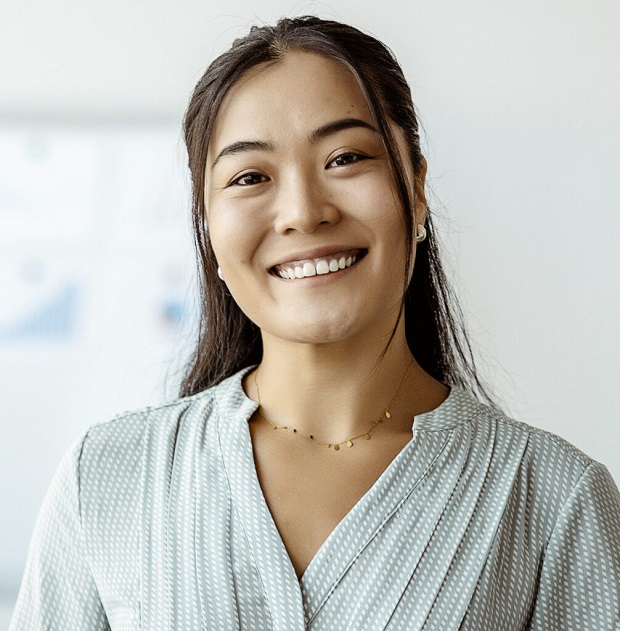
<point x="227" y="339"/>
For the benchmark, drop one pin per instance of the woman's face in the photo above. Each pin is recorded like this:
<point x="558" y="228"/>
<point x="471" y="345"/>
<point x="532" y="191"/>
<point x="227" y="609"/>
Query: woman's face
<point x="300" y="204"/>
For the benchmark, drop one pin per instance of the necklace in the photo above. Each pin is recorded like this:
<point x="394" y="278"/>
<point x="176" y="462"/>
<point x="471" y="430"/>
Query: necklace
<point x="386" y="414"/>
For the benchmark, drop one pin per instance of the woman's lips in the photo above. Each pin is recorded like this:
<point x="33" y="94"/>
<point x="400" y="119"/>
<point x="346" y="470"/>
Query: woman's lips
<point x="304" y="268"/>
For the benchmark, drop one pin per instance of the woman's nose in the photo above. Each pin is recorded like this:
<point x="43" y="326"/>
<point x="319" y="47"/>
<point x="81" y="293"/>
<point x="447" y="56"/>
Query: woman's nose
<point x="302" y="205"/>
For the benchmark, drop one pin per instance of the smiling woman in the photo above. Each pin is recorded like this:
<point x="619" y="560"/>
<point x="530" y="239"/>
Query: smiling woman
<point x="300" y="180"/>
<point x="331" y="462"/>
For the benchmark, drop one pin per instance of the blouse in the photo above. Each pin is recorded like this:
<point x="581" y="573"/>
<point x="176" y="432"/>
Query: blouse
<point x="156" y="520"/>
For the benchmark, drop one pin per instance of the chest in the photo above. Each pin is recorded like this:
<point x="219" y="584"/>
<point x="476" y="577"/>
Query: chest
<point x="206" y="540"/>
<point x="309" y="490"/>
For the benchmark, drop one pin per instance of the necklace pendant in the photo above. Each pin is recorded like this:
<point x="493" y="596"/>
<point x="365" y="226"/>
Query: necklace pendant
<point x="387" y="414"/>
<point x="367" y="436"/>
<point x="349" y="443"/>
<point x="336" y="447"/>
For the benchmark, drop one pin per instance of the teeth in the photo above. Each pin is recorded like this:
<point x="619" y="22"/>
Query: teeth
<point x="309" y="269"/>
<point x="323" y="266"/>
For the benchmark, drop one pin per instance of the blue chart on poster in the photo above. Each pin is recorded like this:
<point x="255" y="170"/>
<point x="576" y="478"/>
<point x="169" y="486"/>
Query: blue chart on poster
<point x="93" y="235"/>
<point x="54" y="319"/>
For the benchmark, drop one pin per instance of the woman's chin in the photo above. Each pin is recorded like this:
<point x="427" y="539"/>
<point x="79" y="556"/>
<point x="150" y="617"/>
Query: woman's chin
<point x="323" y="332"/>
<point x="338" y="322"/>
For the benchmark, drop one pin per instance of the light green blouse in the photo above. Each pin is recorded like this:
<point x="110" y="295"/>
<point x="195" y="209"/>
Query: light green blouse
<point x="156" y="520"/>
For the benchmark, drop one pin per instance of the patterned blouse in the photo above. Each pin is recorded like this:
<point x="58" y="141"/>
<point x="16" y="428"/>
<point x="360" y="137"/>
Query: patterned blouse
<point x="156" y="520"/>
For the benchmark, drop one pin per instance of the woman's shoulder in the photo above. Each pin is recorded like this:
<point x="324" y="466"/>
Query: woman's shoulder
<point x="544" y="474"/>
<point x="156" y="432"/>
<point x="153" y="422"/>
<point x="462" y="410"/>
<point x="158" y="415"/>
<point x="547" y="464"/>
<point x="542" y="448"/>
<point x="548" y="447"/>
<point x="485" y="425"/>
<point x="117" y="453"/>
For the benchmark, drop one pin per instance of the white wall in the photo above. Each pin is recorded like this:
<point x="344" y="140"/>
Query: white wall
<point x="520" y="105"/>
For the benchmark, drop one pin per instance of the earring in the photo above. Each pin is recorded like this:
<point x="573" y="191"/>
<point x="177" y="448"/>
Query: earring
<point x="219" y="273"/>
<point x="420" y="233"/>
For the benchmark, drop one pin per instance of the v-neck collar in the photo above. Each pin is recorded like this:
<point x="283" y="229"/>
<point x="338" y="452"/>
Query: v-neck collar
<point x="403" y="475"/>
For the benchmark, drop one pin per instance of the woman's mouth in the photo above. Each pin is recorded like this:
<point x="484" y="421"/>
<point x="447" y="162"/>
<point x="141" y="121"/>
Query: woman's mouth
<point x="319" y="266"/>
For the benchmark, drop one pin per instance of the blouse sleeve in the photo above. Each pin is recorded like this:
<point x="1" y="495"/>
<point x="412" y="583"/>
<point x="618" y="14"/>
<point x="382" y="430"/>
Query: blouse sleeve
<point x="58" y="590"/>
<point x="580" y="575"/>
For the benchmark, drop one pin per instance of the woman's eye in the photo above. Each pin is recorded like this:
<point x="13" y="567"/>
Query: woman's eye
<point x="347" y="158"/>
<point x="249" y="179"/>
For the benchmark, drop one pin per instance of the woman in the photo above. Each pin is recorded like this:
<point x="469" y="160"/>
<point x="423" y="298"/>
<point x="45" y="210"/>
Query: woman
<point x="327" y="466"/>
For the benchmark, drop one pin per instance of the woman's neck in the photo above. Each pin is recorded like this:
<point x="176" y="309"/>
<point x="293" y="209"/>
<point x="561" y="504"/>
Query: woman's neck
<point x="334" y="391"/>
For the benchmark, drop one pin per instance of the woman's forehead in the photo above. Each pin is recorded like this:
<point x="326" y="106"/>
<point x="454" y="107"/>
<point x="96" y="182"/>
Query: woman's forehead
<point x="300" y="92"/>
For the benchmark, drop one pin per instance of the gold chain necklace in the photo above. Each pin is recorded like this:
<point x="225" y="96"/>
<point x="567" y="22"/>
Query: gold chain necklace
<point x="386" y="414"/>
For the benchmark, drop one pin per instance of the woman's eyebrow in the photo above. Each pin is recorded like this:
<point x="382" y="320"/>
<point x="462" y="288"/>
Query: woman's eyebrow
<point x="242" y="146"/>
<point x="339" y="125"/>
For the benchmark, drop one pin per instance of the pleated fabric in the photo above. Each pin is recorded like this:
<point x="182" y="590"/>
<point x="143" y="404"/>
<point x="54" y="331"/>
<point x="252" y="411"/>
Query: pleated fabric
<point x="156" y="520"/>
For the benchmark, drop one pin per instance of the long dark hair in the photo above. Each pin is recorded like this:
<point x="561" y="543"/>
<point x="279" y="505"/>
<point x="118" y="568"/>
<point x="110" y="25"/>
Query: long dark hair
<point x="227" y="339"/>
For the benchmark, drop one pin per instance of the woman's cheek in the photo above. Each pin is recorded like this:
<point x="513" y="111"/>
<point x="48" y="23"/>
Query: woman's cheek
<point x="367" y="197"/>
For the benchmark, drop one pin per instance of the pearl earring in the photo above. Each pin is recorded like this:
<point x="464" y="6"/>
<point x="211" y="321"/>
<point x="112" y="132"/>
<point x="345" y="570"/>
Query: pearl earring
<point x="420" y="233"/>
<point x="219" y="273"/>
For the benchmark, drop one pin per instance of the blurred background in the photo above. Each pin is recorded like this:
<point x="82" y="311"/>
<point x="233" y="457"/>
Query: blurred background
<point x="520" y="105"/>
